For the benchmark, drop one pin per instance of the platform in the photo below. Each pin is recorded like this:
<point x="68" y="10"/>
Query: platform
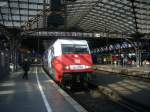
<point x="125" y="70"/>
<point x="37" y="94"/>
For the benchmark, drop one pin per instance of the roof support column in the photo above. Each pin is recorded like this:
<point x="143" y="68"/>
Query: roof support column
<point x="44" y="14"/>
<point x="134" y="13"/>
<point x="137" y="52"/>
<point x="2" y="16"/>
<point x="12" y="57"/>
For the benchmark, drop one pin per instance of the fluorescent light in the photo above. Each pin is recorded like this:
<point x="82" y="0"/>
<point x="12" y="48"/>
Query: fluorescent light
<point x="2" y="3"/>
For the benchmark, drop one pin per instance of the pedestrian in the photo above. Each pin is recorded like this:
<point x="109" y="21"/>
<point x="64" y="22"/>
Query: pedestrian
<point x="26" y="67"/>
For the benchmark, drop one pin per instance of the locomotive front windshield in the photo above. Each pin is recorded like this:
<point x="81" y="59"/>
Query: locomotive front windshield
<point x="74" y="49"/>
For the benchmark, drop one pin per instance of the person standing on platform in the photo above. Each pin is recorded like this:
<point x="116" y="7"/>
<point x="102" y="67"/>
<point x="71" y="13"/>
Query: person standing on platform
<point x="26" y="67"/>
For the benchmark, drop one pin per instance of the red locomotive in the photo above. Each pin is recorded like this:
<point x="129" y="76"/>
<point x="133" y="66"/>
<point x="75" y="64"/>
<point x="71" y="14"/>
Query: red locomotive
<point x="68" y="61"/>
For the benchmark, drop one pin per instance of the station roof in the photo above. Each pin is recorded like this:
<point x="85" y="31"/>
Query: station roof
<point x="112" y="16"/>
<point x="15" y="13"/>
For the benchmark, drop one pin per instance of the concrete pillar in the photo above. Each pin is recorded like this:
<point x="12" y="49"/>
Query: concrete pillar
<point x="2" y="59"/>
<point x="13" y="53"/>
<point x="137" y="58"/>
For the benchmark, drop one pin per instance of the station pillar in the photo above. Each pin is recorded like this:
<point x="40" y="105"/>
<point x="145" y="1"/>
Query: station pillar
<point x="13" y="54"/>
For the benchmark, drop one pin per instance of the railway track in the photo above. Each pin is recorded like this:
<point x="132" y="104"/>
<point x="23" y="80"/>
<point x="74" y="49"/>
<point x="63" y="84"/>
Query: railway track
<point x="96" y="99"/>
<point x="132" y="107"/>
<point x="122" y="101"/>
<point x="102" y="99"/>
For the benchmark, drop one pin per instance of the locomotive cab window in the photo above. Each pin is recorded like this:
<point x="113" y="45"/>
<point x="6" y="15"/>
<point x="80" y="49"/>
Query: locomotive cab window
<point x="74" y="49"/>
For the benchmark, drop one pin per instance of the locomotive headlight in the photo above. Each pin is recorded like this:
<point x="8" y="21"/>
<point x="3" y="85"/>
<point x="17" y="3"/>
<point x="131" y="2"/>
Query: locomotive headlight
<point x="87" y="67"/>
<point x="67" y="67"/>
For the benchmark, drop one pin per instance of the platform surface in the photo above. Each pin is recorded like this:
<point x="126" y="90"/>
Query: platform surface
<point x="142" y="71"/>
<point x="37" y="94"/>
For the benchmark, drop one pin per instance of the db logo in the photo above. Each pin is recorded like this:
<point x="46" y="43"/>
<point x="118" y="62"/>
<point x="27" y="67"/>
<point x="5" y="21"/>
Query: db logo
<point x="77" y="61"/>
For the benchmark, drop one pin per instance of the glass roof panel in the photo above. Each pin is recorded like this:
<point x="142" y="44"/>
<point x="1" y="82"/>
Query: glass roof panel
<point x="16" y="12"/>
<point x="123" y="16"/>
<point x="3" y="3"/>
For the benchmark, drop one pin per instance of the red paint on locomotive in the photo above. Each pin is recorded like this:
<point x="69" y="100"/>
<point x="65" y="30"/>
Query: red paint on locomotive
<point x="67" y="63"/>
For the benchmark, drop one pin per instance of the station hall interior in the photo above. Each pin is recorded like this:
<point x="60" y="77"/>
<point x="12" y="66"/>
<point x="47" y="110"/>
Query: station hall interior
<point x="117" y="33"/>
